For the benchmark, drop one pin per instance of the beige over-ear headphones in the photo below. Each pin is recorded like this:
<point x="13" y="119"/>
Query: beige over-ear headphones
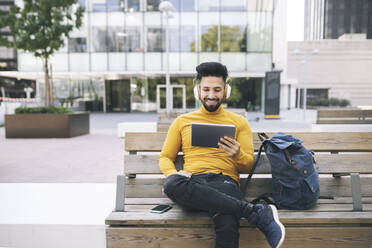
<point x="197" y="88"/>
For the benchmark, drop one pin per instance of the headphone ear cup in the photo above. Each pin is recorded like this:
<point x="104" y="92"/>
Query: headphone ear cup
<point x="228" y="91"/>
<point x="196" y="92"/>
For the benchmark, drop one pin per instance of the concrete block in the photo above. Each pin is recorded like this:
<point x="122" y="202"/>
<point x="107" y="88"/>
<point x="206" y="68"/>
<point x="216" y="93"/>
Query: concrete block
<point x="124" y="127"/>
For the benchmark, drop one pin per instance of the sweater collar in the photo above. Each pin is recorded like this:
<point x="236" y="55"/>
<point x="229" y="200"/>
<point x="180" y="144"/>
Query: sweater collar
<point x="218" y="111"/>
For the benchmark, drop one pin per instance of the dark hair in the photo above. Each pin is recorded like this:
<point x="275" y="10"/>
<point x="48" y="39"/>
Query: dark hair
<point x="211" y="69"/>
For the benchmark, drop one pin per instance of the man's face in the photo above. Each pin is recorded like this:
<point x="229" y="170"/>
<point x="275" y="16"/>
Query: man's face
<point x="212" y="91"/>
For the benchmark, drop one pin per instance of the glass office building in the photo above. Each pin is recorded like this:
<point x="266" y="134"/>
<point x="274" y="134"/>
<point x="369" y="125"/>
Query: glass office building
<point x="117" y="59"/>
<point x="330" y="19"/>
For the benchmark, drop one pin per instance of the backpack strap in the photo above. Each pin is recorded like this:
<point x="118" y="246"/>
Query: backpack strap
<point x="290" y="160"/>
<point x="244" y="189"/>
<point x="263" y="136"/>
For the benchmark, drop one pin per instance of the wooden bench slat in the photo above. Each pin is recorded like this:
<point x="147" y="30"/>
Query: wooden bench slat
<point x="347" y="113"/>
<point x="336" y="121"/>
<point x="152" y="187"/>
<point x="202" y="218"/>
<point x="157" y="201"/>
<point x="320" y="207"/>
<point x="325" y="163"/>
<point x="204" y="237"/>
<point x="320" y="141"/>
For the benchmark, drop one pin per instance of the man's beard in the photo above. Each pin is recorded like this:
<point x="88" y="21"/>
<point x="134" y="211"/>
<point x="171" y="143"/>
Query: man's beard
<point x="211" y="108"/>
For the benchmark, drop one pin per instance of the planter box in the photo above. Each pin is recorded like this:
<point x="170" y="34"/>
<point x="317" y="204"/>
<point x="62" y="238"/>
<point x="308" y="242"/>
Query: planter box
<point x="46" y="125"/>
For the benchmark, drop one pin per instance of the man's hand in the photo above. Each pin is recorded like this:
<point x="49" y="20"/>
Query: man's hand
<point x="184" y="173"/>
<point x="230" y="146"/>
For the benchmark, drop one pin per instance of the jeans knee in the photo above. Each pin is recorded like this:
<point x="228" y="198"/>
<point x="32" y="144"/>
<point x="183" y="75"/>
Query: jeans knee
<point x="172" y="183"/>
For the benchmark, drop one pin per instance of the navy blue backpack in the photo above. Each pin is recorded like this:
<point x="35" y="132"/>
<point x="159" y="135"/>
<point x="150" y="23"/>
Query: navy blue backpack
<point x="294" y="177"/>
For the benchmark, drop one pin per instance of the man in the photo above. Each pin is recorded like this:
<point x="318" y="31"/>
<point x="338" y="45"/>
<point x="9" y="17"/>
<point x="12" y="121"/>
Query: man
<point x="210" y="178"/>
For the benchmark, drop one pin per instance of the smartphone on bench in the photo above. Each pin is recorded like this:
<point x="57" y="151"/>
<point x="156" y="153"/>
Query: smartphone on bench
<point x="159" y="209"/>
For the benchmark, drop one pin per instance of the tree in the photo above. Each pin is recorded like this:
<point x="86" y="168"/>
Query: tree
<point x="40" y="27"/>
<point x="232" y="39"/>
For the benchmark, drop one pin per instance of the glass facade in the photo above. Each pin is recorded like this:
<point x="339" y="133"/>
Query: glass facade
<point x="330" y="19"/>
<point x="129" y="36"/>
<point x="8" y="56"/>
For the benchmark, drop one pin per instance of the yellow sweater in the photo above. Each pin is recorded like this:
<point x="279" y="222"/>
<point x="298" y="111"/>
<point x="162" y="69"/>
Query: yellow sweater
<point x="199" y="160"/>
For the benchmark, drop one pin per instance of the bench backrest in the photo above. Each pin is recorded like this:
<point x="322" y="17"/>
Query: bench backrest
<point x="345" y="113"/>
<point x="335" y="153"/>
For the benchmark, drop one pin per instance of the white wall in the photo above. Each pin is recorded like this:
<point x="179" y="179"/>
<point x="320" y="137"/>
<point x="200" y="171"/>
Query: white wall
<point x="280" y="47"/>
<point x="344" y="67"/>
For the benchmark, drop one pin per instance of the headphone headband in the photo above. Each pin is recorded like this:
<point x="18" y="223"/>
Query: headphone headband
<point x="197" y="81"/>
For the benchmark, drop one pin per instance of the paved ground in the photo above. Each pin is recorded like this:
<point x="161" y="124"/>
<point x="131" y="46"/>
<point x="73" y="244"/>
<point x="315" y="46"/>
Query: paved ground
<point x="93" y="158"/>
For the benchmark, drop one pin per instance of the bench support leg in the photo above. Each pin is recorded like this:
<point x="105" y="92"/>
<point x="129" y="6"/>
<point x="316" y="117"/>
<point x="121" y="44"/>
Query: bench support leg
<point x="120" y="193"/>
<point x="356" y="192"/>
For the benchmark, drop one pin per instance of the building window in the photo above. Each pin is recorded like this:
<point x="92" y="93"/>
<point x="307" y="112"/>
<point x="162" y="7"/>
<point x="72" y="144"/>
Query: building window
<point x="115" y="5"/>
<point x="316" y="94"/>
<point x="232" y="5"/>
<point x="233" y="38"/>
<point x="98" y="5"/>
<point x="187" y="39"/>
<point x="209" y="38"/>
<point x="77" y="45"/>
<point x="260" y="5"/>
<point x="132" y="41"/>
<point x="99" y="41"/>
<point x="176" y="4"/>
<point x="210" y="5"/>
<point x="133" y="5"/>
<point x="154" y="40"/>
<point x="153" y="5"/>
<point x="259" y="32"/>
<point x="82" y="3"/>
<point x="187" y="5"/>
<point x="174" y="39"/>
<point x="115" y="39"/>
<point x="124" y="40"/>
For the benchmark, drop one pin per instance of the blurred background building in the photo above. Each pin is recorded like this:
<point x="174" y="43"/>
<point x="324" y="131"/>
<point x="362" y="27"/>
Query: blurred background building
<point x="115" y="61"/>
<point x="330" y="19"/>
<point x="340" y="31"/>
<point x="13" y="86"/>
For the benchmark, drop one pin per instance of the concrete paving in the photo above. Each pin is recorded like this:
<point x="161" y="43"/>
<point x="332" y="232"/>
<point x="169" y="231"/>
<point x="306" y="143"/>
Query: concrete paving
<point x="93" y="158"/>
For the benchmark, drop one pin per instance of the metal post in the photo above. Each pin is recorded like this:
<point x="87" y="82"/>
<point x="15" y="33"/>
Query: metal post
<point x="305" y="88"/>
<point x="167" y="78"/>
<point x="304" y="80"/>
<point x="166" y="7"/>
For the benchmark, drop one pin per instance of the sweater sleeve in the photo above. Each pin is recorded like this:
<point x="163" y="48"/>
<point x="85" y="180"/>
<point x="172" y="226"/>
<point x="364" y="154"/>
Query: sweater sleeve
<point x="170" y="149"/>
<point x="245" y="159"/>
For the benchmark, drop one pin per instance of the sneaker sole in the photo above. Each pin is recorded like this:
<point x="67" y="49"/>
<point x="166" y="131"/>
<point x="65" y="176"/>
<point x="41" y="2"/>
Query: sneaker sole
<point x="276" y="218"/>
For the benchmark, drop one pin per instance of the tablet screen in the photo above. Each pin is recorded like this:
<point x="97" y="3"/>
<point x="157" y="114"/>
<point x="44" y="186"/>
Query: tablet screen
<point x="208" y="135"/>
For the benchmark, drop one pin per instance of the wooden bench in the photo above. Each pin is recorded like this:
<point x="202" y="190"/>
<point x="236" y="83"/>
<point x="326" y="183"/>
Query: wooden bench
<point x="344" y="116"/>
<point x="165" y="119"/>
<point x="344" y="162"/>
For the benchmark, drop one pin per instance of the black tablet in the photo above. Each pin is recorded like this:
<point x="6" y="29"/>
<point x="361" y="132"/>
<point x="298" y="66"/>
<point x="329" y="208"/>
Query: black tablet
<point x="208" y="135"/>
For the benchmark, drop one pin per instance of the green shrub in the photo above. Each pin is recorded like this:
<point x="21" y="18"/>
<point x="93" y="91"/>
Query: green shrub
<point x="344" y="102"/>
<point x="334" y="102"/>
<point x="42" y="110"/>
<point x="329" y="102"/>
<point x="318" y="102"/>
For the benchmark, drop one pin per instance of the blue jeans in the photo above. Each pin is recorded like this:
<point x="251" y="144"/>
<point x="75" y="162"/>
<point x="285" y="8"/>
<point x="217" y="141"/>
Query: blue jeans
<point x="217" y="194"/>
